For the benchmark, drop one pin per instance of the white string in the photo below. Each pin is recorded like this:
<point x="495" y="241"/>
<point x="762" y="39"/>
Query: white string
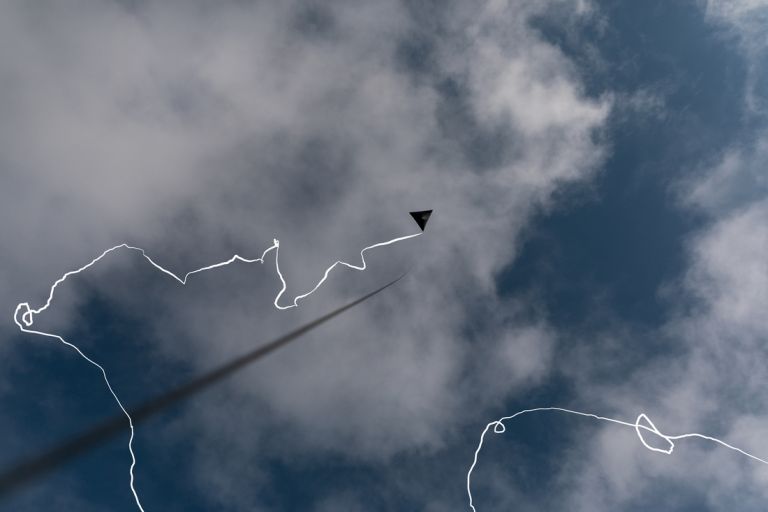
<point x="642" y="423"/>
<point x="24" y="314"/>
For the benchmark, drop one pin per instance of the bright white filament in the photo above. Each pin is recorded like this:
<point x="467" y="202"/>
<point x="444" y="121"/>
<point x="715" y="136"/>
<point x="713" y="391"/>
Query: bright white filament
<point x="24" y="314"/>
<point x="642" y="423"/>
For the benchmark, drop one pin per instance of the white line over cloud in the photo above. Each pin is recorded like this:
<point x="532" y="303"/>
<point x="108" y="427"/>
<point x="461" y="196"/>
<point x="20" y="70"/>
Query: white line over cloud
<point x="642" y="423"/>
<point x="24" y="313"/>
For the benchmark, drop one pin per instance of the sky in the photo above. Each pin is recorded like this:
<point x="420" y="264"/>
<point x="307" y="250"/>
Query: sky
<point x="598" y="243"/>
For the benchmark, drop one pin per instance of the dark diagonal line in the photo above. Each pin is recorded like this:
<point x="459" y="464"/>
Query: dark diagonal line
<point x="25" y="471"/>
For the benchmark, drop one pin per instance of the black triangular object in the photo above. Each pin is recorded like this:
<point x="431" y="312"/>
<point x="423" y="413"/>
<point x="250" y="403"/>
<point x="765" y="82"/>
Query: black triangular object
<point x="421" y="218"/>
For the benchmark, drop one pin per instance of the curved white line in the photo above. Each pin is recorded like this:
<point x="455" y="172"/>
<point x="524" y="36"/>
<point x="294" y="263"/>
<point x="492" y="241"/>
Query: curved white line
<point x="24" y="314"/>
<point x="643" y="422"/>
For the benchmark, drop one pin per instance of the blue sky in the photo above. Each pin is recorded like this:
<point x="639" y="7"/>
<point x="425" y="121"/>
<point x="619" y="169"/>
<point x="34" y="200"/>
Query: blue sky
<point x="598" y="243"/>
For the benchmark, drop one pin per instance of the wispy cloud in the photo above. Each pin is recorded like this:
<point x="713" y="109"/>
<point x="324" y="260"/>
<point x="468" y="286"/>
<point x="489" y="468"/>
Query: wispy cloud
<point x="198" y="132"/>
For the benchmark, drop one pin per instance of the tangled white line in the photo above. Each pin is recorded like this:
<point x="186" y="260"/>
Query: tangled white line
<point x="24" y="314"/>
<point x="642" y="423"/>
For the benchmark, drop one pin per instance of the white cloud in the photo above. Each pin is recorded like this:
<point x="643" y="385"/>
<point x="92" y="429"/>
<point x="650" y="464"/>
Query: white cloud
<point x="738" y="177"/>
<point x="196" y="131"/>
<point x="746" y="19"/>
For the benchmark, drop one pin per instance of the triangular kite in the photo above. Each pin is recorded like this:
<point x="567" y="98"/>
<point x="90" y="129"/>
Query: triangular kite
<point x="421" y="218"/>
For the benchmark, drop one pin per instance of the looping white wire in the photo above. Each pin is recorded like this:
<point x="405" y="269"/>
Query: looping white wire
<point x="24" y="314"/>
<point x="642" y="424"/>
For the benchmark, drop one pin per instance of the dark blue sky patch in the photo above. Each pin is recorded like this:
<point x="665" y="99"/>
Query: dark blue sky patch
<point x="621" y="237"/>
<point x="63" y="394"/>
